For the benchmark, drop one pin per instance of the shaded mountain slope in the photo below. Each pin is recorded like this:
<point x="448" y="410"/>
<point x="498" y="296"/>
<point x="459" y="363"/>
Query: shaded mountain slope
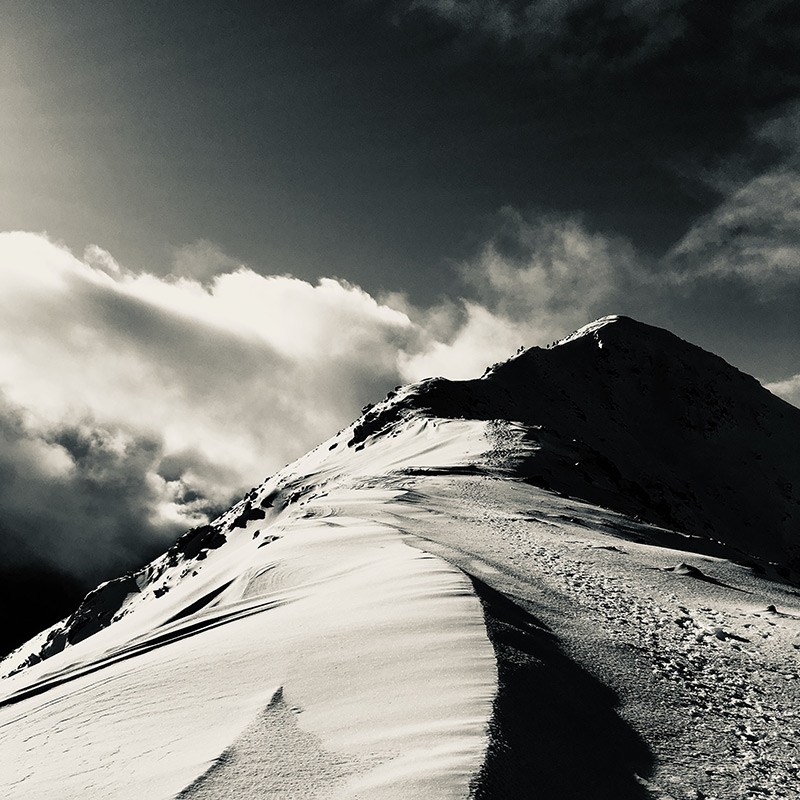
<point x="441" y="601"/>
<point x="631" y="417"/>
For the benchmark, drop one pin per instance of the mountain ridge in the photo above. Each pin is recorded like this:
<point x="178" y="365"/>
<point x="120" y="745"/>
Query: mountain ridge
<point x="432" y="602"/>
<point x="532" y="388"/>
<point x="704" y="424"/>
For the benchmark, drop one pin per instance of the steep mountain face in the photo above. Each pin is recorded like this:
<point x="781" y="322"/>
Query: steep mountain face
<point x="633" y="418"/>
<point x="528" y="584"/>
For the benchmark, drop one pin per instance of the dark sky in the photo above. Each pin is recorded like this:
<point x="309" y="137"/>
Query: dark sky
<point x="372" y="141"/>
<point x="224" y="227"/>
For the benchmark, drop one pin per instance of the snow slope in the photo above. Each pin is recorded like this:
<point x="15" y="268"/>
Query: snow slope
<point x="552" y="581"/>
<point x="628" y="416"/>
<point x="297" y="615"/>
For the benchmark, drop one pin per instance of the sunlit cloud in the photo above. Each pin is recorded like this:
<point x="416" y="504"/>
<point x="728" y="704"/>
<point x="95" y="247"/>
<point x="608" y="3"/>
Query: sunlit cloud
<point x="754" y="234"/>
<point x="192" y="390"/>
<point x="134" y="406"/>
<point x="788" y="389"/>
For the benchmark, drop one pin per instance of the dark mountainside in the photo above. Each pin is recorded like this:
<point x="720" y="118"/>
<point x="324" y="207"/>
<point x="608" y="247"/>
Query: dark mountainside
<point x="36" y="598"/>
<point x="633" y="418"/>
<point x="621" y="415"/>
<point x="604" y="549"/>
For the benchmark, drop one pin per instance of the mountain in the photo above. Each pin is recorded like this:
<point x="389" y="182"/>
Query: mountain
<point x="572" y="577"/>
<point x="628" y="416"/>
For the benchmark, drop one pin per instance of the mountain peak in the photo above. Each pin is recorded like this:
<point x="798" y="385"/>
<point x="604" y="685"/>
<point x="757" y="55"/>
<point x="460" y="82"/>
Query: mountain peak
<point x="626" y="334"/>
<point x="623" y="345"/>
<point x="629" y="416"/>
<point x="371" y="590"/>
<point x="598" y="324"/>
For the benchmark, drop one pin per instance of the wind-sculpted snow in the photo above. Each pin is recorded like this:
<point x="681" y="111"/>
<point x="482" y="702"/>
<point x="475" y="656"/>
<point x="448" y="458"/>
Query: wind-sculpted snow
<point x="379" y="651"/>
<point x="633" y="418"/>
<point x="559" y="580"/>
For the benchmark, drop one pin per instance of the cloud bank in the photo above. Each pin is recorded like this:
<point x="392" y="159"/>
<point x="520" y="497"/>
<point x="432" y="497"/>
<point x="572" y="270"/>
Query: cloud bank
<point x="133" y="406"/>
<point x="754" y="235"/>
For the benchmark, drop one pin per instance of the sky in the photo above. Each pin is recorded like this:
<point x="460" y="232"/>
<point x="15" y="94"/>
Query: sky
<point x="228" y="226"/>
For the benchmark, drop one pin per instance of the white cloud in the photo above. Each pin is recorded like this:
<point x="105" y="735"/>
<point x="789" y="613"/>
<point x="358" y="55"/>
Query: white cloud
<point x="248" y="370"/>
<point x="102" y="260"/>
<point x="201" y="260"/>
<point x="227" y="380"/>
<point x="537" y="278"/>
<point x="482" y="338"/>
<point x="788" y="389"/>
<point x="753" y="235"/>
<point x="550" y="270"/>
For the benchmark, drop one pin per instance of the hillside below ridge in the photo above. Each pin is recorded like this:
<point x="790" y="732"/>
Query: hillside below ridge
<point x="542" y="581"/>
<point x="631" y="417"/>
<point x="619" y="414"/>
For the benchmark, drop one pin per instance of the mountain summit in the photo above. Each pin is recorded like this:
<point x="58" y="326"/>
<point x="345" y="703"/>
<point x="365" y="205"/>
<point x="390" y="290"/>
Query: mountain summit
<point x="629" y="416"/>
<point x="555" y="580"/>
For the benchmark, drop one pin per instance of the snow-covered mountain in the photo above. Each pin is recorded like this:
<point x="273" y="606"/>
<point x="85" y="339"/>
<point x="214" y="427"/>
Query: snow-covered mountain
<point x="628" y="416"/>
<point x="572" y="577"/>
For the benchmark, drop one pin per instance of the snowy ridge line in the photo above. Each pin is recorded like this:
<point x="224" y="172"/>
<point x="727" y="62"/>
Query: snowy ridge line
<point x="381" y="649"/>
<point x="592" y="327"/>
<point x="424" y="441"/>
<point x="399" y="675"/>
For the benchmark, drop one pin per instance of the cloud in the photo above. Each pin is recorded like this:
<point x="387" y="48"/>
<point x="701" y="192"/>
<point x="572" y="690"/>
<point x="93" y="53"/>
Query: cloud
<point x="551" y="268"/>
<point x="242" y="359"/>
<point x="133" y="406"/>
<point x="81" y="497"/>
<point x="568" y="33"/>
<point x="201" y="260"/>
<point x="754" y="235"/>
<point x="535" y="279"/>
<point x="482" y="338"/>
<point x="782" y="130"/>
<point x="788" y="389"/>
<point x="539" y="276"/>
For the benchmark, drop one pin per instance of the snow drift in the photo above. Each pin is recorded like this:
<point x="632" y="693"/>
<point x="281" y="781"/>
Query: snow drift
<point x="337" y="634"/>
